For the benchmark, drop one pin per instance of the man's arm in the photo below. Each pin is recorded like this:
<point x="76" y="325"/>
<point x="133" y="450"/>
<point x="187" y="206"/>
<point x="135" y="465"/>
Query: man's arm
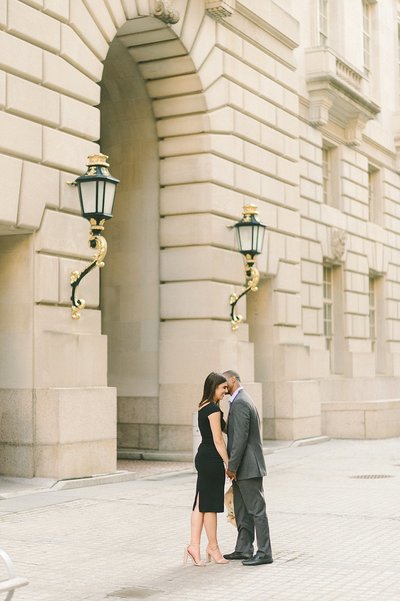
<point x="240" y="427"/>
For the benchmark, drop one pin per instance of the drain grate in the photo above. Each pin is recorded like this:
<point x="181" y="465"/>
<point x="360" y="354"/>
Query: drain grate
<point x="372" y="476"/>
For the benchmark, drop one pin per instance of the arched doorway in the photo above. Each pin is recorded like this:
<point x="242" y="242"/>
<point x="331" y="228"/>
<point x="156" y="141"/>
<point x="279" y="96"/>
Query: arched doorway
<point x="148" y="79"/>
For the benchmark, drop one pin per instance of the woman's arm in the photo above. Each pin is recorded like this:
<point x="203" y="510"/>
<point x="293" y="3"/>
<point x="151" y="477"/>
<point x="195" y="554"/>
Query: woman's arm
<point x="215" y="423"/>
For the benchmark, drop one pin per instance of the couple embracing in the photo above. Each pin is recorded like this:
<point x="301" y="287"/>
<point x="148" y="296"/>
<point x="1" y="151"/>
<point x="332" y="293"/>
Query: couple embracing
<point x="243" y="462"/>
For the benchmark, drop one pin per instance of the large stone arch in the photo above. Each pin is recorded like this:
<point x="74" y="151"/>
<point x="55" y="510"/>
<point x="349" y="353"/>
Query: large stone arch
<point x="156" y="128"/>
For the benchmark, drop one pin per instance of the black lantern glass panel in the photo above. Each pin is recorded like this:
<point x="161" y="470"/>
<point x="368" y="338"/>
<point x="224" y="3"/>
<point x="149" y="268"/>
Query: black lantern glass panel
<point x="97" y="189"/>
<point x="250" y="232"/>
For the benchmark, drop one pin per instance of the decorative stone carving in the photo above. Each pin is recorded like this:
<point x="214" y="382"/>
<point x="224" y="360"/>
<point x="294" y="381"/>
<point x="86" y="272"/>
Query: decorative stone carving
<point x="353" y="131"/>
<point x="220" y="8"/>
<point x="319" y="111"/>
<point x="338" y="244"/>
<point x="164" y="11"/>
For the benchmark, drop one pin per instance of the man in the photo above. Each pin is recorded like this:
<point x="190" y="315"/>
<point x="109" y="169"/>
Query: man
<point x="246" y="469"/>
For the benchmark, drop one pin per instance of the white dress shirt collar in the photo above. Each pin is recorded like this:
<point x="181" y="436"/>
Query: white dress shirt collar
<point x="233" y="397"/>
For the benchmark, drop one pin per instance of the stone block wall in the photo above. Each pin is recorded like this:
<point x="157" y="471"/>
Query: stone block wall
<point x="49" y="124"/>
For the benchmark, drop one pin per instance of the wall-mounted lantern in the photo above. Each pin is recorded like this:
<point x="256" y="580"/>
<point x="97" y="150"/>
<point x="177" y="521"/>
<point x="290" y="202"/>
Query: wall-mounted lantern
<point x="249" y="240"/>
<point x="96" y="195"/>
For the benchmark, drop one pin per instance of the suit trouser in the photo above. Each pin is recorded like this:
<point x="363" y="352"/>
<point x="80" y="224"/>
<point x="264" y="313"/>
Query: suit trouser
<point x="251" y="516"/>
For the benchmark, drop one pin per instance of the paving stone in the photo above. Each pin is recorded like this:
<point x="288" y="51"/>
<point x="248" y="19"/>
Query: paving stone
<point x="334" y="537"/>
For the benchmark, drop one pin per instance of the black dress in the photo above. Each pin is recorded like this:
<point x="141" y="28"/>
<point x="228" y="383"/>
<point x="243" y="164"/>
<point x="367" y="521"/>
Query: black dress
<point x="209" y="465"/>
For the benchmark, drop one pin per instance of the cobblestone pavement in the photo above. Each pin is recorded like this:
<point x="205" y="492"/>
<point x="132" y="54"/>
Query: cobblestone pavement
<point x="335" y="533"/>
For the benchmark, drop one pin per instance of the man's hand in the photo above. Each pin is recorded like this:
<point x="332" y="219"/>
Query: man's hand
<point x="231" y="475"/>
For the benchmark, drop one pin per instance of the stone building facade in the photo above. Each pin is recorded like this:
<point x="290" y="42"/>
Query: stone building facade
<point x="202" y="106"/>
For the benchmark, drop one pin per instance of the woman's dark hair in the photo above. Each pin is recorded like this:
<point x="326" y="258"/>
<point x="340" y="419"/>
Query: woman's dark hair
<point x="211" y="383"/>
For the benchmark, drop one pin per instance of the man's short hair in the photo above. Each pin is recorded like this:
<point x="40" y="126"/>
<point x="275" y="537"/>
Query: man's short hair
<point x="231" y="374"/>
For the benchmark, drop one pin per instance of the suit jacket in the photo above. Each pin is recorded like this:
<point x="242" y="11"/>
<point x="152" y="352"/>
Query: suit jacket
<point x="245" y="448"/>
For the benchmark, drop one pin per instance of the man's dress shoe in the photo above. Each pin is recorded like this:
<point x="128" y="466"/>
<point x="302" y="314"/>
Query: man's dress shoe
<point x="237" y="555"/>
<point x="257" y="560"/>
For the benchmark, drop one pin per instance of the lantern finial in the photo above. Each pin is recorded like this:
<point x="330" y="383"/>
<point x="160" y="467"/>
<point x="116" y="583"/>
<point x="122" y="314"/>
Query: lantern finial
<point x="97" y="159"/>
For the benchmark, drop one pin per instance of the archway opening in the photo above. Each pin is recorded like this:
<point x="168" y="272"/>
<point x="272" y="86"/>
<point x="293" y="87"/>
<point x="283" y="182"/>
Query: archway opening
<point x="130" y="280"/>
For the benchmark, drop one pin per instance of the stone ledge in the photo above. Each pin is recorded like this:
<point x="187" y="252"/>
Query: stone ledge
<point x="372" y="419"/>
<point x="120" y="476"/>
<point x="374" y="405"/>
<point x="154" y="455"/>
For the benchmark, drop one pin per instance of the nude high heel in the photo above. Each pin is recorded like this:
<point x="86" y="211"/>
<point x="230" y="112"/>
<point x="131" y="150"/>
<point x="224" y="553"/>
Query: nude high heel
<point x="215" y="555"/>
<point x="187" y="553"/>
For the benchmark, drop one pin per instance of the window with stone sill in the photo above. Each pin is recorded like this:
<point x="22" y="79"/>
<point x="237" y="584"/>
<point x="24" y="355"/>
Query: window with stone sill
<point x="398" y="61"/>
<point x="326" y="175"/>
<point x="332" y="288"/>
<point x="323" y="22"/>
<point x="376" y="301"/>
<point x="369" y="41"/>
<point x="366" y="36"/>
<point x="330" y="182"/>
<point x="374" y="194"/>
<point x="328" y="306"/>
<point x="372" y="311"/>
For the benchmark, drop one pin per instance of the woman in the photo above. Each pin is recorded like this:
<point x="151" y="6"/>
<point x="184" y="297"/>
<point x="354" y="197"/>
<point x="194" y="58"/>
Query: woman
<point x="210" y="459"/>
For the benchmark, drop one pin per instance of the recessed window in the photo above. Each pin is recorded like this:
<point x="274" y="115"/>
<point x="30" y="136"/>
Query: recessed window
<point x="377" y="321"/>
<point x="367" y="36"/>
<point x="333" y="311"/>
<point x="374" y="194"/>
<point x="398" y="61"/>
<point x="330" y="175"/>
<point x="372" y="312"/>
<point x="323" y="22"/>
<point x="328" y="306"/>
<point x="326" y="174"/>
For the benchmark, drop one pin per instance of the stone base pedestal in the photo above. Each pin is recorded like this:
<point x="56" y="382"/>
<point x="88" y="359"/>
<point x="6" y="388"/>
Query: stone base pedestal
<point x="292" y="410"/>
<point x="58" y="432"/>
<point x="362" y="419"/>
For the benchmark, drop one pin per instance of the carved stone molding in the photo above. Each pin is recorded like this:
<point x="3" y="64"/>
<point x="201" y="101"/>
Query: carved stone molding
<point x="319" y="110"/>
<point x="354" y="129"/>
<point x="220" y="8"/>
<point x="338" y="245"/>
<point x="164" y="10"/>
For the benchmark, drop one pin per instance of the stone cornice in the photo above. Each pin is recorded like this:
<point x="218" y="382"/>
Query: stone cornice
<point x="219" y="9"/>
<point x="272" y="19"/>
<point x="267" y="16"/>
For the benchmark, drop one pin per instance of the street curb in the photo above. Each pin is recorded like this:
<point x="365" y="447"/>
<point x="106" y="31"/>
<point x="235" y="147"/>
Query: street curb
<point x="308" y="441"/>
<point x="121" y="476"/>
<point x="269" y="448"/>
<point x="138" y="454"/>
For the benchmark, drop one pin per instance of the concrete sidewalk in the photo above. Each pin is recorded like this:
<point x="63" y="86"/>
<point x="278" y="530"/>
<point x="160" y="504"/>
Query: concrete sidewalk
<point x="334" y="518"/>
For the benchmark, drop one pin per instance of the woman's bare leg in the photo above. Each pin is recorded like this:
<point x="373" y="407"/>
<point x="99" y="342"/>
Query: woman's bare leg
<point x="196" y="527"/>
<point x="210" y="525"/>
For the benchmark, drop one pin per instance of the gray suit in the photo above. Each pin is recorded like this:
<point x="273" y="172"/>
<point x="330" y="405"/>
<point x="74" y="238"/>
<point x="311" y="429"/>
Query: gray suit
<point x="246" y="458"/>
